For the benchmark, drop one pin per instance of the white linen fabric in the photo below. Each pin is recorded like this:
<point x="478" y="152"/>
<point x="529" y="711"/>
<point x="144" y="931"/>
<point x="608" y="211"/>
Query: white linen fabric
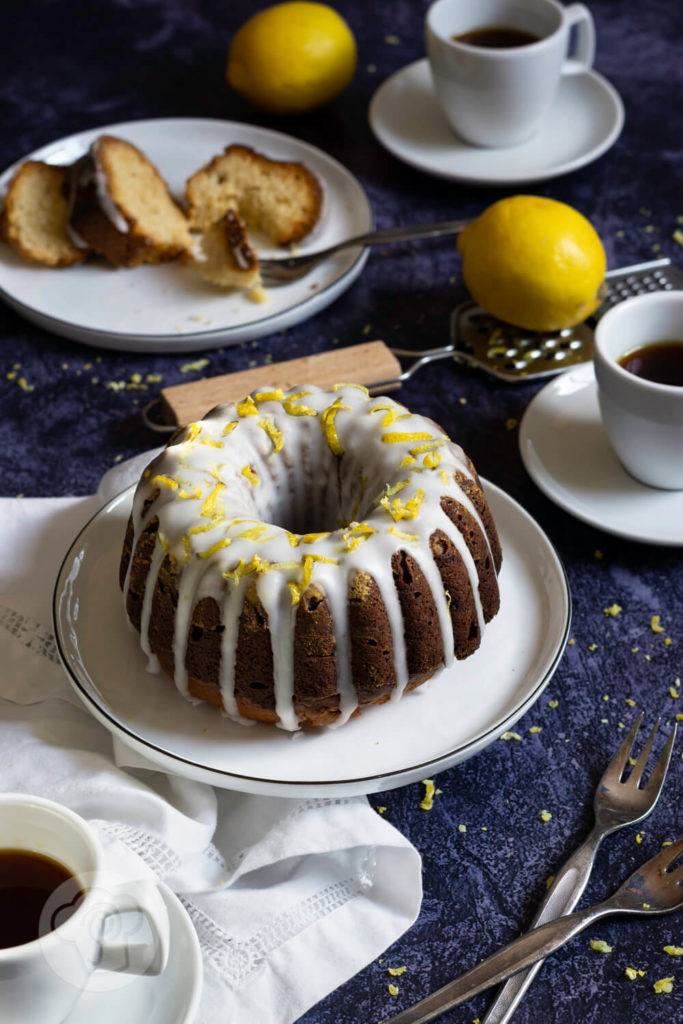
<point x="289" y="897"/>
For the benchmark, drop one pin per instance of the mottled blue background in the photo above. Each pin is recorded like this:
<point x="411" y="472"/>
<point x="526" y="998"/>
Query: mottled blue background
<point x="76" y="65"/>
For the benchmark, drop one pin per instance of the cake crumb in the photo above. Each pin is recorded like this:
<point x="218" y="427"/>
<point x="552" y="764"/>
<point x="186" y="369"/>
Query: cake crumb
<point x="600" y="946"/>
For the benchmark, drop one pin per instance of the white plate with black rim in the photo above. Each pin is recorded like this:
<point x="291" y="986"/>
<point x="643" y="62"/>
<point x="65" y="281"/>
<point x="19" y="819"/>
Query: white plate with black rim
<point x="448" y="719"/>
<point x="170" y="308"/>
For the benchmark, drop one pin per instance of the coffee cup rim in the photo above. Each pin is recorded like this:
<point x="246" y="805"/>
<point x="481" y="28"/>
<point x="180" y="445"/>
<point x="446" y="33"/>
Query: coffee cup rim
<point x="486" y="53"/>
<point x="611" y="362"/>
<point x="28" y="949"/>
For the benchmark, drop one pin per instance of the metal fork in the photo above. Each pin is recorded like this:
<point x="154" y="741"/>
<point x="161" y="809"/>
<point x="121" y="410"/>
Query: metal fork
<point x="617" y="803"/>
<point x="291" y="268"/>
<point x="654" y="888"/>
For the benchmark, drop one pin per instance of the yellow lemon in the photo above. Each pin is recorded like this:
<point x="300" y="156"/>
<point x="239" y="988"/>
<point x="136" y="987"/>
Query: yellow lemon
<point x="292" y="57"/>
<point x="533" y="262"/>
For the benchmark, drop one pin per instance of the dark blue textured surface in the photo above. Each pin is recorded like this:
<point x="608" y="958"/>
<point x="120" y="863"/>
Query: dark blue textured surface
<point x="77" y="65"/>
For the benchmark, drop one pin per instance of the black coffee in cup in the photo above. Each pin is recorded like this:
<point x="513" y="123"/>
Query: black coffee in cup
<point x="497" y="37"/>
<point x="28" y="880"/>
<point x="660" y="361"/>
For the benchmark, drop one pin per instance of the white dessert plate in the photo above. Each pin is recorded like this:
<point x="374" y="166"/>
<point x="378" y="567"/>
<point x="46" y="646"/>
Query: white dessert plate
<point x="170" y="308"/>
<point x="450" y="718"/>
<point x="172" y="996"/>
<point x="585" y="119"/>
<point x="567" y="453"/>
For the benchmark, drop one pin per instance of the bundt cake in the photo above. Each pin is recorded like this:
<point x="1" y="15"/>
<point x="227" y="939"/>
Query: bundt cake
<point x="279" y="197"/>
<point x="34" y="218"/>
<point x="228" y="259"/>
<point x="300" y="555"/>
<point x="120" y="207"/>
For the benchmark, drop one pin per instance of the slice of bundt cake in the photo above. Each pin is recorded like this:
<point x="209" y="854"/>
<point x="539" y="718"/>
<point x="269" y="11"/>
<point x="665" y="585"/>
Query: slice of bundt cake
<point x="229" y="260"/>
<point x="34" y="219"/>
<point x="282" y="198"/>
<point x="121" y="207"/>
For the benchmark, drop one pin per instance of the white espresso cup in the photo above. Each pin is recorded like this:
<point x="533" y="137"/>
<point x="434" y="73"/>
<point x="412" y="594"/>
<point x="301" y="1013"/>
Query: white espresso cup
<point x="40" y="980"/>
<point x="643" y="419"/>
<point x="499" y="96"/>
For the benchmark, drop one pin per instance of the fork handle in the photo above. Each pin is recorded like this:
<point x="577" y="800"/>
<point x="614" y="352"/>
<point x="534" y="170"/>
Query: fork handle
<point x="561" y="898"/>
<point x="402" y="234"/>
<point x="523" y="952"/>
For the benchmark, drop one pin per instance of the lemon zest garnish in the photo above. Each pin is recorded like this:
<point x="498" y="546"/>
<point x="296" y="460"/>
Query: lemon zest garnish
<point x="392" y="413"/>
<point x="192" y="430"/>
<point x="398" y="509"/>
<point x="205" y="527"/>
<point x="240" y="570"/>
<point x="396" y="972"/>
<point x="212" y="444"/>
<point x="445" y="479"/>
<point x="600" y="946"/>
<point x="163" y="542"/>
<point x="633" y="973"/>
<point x="250" y="475"/>
<point x="273" y="433"/>
<point x="431" y="460"/>
<point x="613" y="610"/>
<point x="167" y="481"/>
<point x="293" y="538"/>
<point x="196" y="492"/>
<point x="329" y="426"/>
<point x="427" y="801"/>
<point x="254" y="533"/>
<point x="187" y="547"/>
<point x="270" y="396"/>
<point x="402" y="535"/>
<point x="399" y="438"/>
<point x="311" y="538"/>
<point x="407" y="460"/>
<point x="428" y="447"/>
<point x="229" y="427"/>
<point x="224" y="543"/>
<point x="654" y="625"/>
<point x="664" y="985"/>
<point x="348" y="384"/>
<point x="247" y="407"/>
<point x="298" y="410"/>
<point x="209" y="508"/>
<point x="674" y="950"/>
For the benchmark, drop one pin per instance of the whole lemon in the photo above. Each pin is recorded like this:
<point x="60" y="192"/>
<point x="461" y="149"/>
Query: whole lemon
<point x="533" y="262"/>
<point x="292" y="57"/>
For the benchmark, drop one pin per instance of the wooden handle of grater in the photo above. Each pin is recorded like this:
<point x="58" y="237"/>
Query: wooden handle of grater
<point x="368" y="364"/>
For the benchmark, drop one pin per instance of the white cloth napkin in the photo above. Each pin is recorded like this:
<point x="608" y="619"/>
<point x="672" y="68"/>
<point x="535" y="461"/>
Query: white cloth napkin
<point x="289" y="898"/>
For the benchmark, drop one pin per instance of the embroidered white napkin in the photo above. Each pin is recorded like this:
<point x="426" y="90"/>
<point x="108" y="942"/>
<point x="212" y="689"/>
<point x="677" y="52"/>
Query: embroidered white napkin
<point x="289" y="898"/>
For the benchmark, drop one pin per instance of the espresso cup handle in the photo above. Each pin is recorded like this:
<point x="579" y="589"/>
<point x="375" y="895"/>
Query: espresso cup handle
<point x="584" y="51"/>
<point x="136" y="956"/>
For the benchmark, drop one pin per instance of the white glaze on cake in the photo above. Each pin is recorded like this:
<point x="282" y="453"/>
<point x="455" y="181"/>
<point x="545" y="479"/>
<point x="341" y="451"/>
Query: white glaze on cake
<point x="237" y="491"/>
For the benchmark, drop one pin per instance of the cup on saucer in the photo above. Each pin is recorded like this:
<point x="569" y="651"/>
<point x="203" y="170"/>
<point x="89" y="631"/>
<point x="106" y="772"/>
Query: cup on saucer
<point x="497" y="64"/>
<point x="56" y="897"/>
<point x="638" y="357"/>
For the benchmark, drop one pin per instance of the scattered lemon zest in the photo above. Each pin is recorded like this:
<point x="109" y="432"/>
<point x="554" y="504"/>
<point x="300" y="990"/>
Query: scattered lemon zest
<point x="224" y="543"/>
<point x="396" y="972"/>
<point x="664" y="985"/>
<point x="251" y="476"/>
<point x="427" y="801"/>
<point x="545" y="815"/>
<point x="600" y="946"/>
<point x="613" y="610"/>
<point x="674" y="950"/>
<point x="655" y="626"/>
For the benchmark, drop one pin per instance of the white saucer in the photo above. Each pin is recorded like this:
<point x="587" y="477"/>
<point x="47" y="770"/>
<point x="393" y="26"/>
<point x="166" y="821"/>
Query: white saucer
<point x="450" y="718"/>
<point x="170" y="308"/>
<point x="566" y="452"/>
<point x="172" y="997"/>
<point x="584" y="121"/>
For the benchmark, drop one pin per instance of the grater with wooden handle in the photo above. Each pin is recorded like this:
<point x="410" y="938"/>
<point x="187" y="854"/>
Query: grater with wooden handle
<point x="477" y="338"/>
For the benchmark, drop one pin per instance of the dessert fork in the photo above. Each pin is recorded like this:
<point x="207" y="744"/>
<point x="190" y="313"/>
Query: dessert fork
<point x="654" y="888"/>
<point x="616" y="804"/>
<point x="291" y="268"/>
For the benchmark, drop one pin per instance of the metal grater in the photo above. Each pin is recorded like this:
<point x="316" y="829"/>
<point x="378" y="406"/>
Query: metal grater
<point x="513" y="354"/>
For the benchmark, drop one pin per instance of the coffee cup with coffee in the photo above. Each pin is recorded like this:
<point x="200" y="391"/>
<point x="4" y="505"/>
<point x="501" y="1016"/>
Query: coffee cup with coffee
<point x="638" y="356"/>
<point x="62" y="914"/>
<point x="497" y="64"/>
